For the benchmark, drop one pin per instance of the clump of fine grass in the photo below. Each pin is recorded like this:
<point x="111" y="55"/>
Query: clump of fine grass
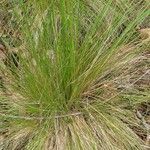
<point x="70" y="49"/>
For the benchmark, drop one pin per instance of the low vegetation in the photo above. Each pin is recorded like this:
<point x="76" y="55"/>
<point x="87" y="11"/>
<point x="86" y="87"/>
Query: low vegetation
<point x="72" y="79"/>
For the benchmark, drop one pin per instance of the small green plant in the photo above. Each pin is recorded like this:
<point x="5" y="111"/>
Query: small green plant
<point x="69" y="50"/>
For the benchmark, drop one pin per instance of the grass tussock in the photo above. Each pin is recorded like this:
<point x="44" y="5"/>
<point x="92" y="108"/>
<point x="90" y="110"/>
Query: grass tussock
<point x="61" y="94"/>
